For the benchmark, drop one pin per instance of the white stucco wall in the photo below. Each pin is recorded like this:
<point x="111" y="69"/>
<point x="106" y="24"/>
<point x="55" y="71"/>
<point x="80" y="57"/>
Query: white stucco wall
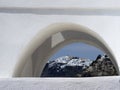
<point x="62" y="3"/>
<point x="17" y="31"/>
<point x="20" y="23"/>
<point x="22" y="20"/>
<point x="105" y="83"/>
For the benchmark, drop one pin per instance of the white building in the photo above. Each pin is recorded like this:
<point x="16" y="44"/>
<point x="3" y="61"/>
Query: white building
<point x="33" y="30"/>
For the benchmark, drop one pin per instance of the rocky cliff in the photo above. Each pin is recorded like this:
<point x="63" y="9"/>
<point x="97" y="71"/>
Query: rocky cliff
<point x="68" y="66"/>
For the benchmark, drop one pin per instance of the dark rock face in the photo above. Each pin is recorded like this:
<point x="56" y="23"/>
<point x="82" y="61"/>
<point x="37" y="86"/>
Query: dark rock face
<point x="102" y="66"/>
<point x="76" y="67"/>
<point x="57" y="71"/>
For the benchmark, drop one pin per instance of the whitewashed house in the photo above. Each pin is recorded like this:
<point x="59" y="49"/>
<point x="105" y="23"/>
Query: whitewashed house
<point x="31" y="31"/>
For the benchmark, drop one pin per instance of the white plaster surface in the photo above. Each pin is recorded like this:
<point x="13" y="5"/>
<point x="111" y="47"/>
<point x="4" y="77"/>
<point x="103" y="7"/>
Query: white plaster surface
<point x="61" y="3"/>
<point x="22" y="20"/>
<point x="17" y="30"/>
<point x="98" y="83"/>
<point x="19" y="25"/>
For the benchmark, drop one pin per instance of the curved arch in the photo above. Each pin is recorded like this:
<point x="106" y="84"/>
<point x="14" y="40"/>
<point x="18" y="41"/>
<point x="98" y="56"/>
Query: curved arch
<point x="40" y="48"/>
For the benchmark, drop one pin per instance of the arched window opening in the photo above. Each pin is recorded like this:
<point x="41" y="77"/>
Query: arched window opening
<point x="79" y="60"/>
<point x="56" y="37"/>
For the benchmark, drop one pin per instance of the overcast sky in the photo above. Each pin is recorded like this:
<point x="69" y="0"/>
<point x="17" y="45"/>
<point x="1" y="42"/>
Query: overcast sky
<point x="78" y="49"/>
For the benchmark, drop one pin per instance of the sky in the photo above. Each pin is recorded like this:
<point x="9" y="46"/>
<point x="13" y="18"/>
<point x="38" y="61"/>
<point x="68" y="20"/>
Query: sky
<point x="81" y="50"/>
